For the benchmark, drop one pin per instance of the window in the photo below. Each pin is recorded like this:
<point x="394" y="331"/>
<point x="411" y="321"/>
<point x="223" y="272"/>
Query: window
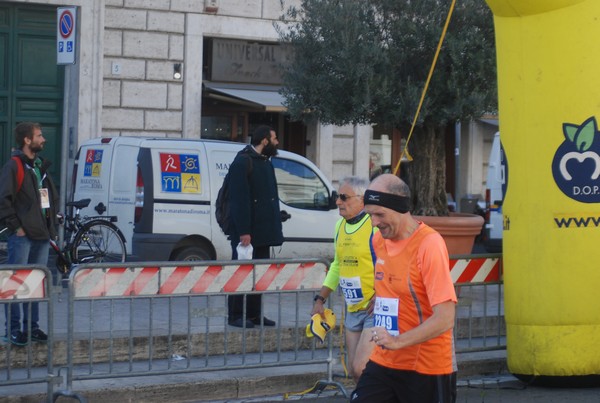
<point x="228" y="127"/>
<point x="217" y="127"/>
<point x="299" y="186"/>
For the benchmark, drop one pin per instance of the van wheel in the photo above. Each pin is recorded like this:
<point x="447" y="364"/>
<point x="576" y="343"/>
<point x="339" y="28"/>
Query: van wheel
<point x="191" y="253"/>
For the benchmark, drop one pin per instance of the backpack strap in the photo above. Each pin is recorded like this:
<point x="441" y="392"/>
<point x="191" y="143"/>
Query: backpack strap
<point x="20" y="172"/>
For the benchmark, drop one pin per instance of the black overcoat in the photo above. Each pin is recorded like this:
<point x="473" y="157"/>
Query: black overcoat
<point x="253" y="199"/>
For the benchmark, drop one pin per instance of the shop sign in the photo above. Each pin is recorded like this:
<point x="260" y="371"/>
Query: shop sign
<point x="248" y="62"/>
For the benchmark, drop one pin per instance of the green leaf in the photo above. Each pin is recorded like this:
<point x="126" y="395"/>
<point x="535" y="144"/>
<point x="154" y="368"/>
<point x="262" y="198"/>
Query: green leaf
<point x="585" y="135"/>
<point x="570" y="130"/>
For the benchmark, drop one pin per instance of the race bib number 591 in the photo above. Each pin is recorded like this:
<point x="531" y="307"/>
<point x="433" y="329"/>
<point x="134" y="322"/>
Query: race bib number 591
<point x="386" y="314"/>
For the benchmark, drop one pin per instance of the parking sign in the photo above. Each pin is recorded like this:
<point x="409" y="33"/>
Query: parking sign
<point x="66" y="35"/>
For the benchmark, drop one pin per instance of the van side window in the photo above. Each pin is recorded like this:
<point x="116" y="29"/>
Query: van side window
<point x="299" y="186"/>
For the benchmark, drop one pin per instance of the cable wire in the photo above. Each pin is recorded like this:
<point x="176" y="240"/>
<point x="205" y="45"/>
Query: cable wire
<point x="431" y="69"/>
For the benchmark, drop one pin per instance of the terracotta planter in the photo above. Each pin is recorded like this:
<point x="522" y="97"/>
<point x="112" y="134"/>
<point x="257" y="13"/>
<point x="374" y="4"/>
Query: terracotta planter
<point x="458" y="230"/>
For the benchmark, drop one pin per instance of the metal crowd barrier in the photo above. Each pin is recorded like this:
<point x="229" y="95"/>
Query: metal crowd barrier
<point x="480" y="322"/>
<point x="25" y="285"/>
<point x="153" y="318"/>
<point x="159" y="318"/>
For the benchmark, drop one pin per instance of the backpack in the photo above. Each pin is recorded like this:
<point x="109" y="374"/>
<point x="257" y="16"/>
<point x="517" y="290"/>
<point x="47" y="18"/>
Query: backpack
<point x="222" y="212"/>
<point x="20" y="177"/>
<point x="20" y="172"/>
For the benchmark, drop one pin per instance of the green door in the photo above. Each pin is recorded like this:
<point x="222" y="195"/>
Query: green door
<point x="31" y="83"/>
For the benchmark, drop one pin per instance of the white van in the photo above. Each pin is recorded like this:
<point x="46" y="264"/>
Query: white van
<point x="163" y="192"/>
<point x="497" y="179"/>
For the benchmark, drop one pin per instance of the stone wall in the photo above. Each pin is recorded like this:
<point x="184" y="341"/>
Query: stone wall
<point x="143" y="41"/>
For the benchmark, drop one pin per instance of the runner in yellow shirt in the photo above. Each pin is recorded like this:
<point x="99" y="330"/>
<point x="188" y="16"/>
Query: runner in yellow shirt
<point x="352" y="270"/>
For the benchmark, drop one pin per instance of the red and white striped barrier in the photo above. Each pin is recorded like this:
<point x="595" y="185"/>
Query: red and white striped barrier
<point x="22" y="284"/>
<point x="475" y="270"/>
<point x="128" y="281"/>
<point x="177" y="280"/>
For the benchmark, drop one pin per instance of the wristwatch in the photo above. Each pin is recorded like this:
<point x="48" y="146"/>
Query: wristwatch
<point x="319" y="298"/>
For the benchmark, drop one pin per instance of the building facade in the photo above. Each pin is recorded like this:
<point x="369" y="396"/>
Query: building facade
<point x="166" y="68"/>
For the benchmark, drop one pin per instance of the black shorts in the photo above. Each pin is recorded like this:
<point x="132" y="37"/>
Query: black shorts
<point x="382" y="385"/>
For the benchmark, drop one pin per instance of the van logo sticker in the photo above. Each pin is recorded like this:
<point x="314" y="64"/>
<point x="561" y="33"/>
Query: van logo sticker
<point x="180" y="173"/>
<point x="93" y="163"/>
<point x="576" y="163"/>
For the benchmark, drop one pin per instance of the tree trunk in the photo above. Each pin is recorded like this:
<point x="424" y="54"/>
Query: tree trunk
<point x="426" y="174"/>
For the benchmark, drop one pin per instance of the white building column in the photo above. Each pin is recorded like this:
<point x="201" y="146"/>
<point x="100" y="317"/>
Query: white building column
<point x="362" y="141"/>
<point x="192" y="74"/>
<point x="320" y="150"/>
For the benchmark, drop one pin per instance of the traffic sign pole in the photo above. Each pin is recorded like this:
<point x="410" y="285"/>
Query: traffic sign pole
<point x="66" y="35"/>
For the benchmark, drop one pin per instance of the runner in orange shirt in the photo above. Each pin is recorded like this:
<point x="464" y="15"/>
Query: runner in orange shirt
<point x="415" y="303"/>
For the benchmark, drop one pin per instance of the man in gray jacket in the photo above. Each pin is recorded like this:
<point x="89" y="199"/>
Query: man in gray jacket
<point x="28" y="201"/>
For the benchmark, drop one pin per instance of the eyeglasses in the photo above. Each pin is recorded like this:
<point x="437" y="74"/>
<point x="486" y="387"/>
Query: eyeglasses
<point x="345" y="197"/>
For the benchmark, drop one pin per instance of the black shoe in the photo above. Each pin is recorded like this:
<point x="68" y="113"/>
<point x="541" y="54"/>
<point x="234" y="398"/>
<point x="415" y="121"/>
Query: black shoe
<point x="266" y="321"/>
<point x="38" y="335"/>
<point x="239" y="322"/>
<point x="17" y="338"/>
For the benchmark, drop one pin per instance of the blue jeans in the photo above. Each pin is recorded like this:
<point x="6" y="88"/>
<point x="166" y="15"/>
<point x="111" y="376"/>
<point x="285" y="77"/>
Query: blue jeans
<point x="22" y="250"/>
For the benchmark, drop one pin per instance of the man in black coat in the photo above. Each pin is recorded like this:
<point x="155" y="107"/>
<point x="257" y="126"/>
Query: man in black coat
<point x="254" y="210"/>
<point x="28" y="202"/>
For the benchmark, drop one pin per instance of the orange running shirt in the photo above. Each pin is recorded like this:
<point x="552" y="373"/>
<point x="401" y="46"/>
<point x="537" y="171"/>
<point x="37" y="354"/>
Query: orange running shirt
<point x="411" y="276"/>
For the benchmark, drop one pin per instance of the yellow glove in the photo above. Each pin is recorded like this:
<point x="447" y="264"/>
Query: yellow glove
<point x="319" y="327"/>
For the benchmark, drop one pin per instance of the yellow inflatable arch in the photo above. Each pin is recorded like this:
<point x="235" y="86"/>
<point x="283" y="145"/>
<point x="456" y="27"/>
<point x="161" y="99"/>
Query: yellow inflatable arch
<point x="549" y="102"/>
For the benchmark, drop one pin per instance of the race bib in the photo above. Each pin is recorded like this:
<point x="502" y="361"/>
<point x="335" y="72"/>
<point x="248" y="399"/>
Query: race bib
<point x="386" y="314"/>
<point x="352" y="290"/>
<point x="45" y="199"/>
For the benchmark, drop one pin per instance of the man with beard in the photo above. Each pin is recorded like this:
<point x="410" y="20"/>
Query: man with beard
<point x="28" y="201"/>
<point x="255" y="215"/>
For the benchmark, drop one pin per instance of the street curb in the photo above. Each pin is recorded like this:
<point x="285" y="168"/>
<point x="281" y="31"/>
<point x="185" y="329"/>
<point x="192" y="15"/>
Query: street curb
<point x="242" y="383"/>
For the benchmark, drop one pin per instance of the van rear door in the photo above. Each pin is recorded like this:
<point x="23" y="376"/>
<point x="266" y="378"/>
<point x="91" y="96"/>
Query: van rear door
<point x="92" y="176"/>
<point x="121" y="193"/>
<point x="106" y="173"/>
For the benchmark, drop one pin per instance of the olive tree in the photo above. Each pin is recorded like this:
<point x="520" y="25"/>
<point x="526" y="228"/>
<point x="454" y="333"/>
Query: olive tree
<point x="366" y="62"/>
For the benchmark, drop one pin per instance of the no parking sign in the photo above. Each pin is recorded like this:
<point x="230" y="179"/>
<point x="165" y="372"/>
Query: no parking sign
<point x="66" y="34"/>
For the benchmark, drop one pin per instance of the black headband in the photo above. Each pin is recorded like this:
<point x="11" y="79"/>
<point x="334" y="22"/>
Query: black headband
<point x="397" y="203"/>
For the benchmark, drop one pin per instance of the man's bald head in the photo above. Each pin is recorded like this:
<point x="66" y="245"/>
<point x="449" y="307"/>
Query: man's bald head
<point x="388" y="203"/>
<point x="389" y="183"/>
<point x="390" y="192"/>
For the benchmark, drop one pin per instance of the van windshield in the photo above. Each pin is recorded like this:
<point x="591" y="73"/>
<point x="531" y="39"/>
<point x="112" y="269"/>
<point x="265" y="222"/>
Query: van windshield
<point x="299" y="186"/>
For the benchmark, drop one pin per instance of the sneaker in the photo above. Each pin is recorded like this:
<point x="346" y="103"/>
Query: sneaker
<point x="17" y="338"/>
<point x="38" y="335"/>
<point x="266" y="321"/>
<point x="239" y="322"/>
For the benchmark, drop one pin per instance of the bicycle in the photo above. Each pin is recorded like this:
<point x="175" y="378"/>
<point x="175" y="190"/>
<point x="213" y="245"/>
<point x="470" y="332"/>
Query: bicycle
<point x="88" y="239"/>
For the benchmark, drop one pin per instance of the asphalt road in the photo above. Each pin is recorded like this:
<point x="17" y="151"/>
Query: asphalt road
<point x="505" y="389"/>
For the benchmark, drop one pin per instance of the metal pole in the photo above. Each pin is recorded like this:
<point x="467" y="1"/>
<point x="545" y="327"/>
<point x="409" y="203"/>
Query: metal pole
<point x="64" y="152"/>
<point x="355" y="148"/>
<point x="457" y="130"/>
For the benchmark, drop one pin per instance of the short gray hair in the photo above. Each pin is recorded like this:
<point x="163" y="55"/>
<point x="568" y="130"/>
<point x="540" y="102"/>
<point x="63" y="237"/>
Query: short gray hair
<point x="358" y="184"/>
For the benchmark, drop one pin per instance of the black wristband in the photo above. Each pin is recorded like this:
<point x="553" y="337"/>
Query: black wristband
<point x="319" y="298"/>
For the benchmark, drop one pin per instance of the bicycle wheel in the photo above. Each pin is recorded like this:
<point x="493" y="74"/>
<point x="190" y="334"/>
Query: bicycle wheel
<point x="98" y="241"/>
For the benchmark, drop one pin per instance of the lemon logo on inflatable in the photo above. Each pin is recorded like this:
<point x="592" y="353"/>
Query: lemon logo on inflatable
<point x="576" y="164"/>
